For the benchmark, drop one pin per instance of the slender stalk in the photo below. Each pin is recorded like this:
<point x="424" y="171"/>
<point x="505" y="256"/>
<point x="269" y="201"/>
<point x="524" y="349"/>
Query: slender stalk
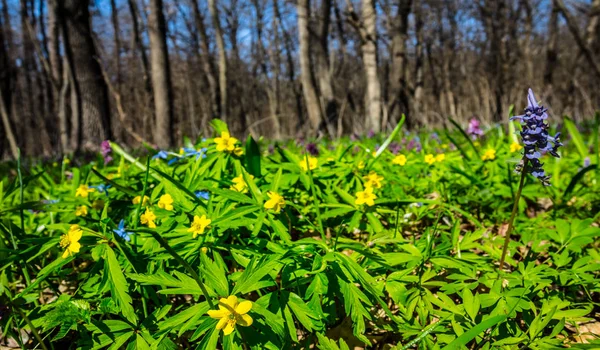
<point x="24" y="267"/>
<point x="32" y="327"/>
<point x="513" y="214"/>
<point x="315" y="200"/>
<point x="163" y="243"/>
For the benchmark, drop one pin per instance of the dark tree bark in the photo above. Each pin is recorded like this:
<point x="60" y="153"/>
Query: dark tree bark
<point x="399" y="100"/>
<point x="89" y="86"/>
<point x="161" y="76"/>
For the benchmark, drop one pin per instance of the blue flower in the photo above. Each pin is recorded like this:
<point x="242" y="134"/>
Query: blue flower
<point x="536" y="139"/>
<point x="190" y="152"/>
<point x="202" y="194"/>
<point x="161" y="155"/>
<point x="120" y="231"/>
<point x="102" y="188"/>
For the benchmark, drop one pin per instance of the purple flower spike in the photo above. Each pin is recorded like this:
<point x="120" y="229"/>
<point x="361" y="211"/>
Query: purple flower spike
<point x="106" y="151"/>
<point x="312" y="149"/>
<point x="473" y="129"/>
<point x="536" y="139"/>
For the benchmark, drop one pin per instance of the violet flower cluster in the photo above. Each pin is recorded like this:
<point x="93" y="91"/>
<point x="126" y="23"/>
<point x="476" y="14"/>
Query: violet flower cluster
<point x="536" y="139"/>
<point x="106" y="151"/>
<point x="473" y="129"/>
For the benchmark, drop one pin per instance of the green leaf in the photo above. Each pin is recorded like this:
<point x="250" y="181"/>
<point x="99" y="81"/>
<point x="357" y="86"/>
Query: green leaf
<point x="118" y="285"/>
<point x="469" y="335"/>
<point x="576" y="137"/>
<point x="252" y="157"/>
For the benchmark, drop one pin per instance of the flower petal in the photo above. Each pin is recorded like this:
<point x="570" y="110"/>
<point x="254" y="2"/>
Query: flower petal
<point x="74" y="247"/>
<point x="243" y="307"/>
<point x="222" y="323"/>
<point x="229" y="328"/>
<point x="222" y="313"/>
<point x="244" y="320"/>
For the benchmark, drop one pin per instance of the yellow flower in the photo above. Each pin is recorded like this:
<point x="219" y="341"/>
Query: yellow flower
<point x="515" y="146"/>
<point x="490" y="154"/>
<point x="312" y="163"/>
<point x="70" y="241"/>
<point x="399" y="159"/>
<point x="275" y="202"/>
<point x="225" y="143"/>
<point x="430" y="159"/>
<point x="199" y="224"/>
<point x="137" y="199"/>
<point x="148" y="218"/>
<point x="83" y="191"/>
<point x="66" y="160"/>
<point x="239" y="184"/>
<point x="98" y="204"/>
<point x="204" y="250"/>
<point x="440" y="157"/>
<point x="166" y="202"/>
<point x="81" y="210"/>
<point x="238" y="151"/>
<point x="361" y="165"/>
<point x="373" y="180"/>
<point x="230" y="313"/>
<point x="181" y="151"/>
<point x="365" y="197"/>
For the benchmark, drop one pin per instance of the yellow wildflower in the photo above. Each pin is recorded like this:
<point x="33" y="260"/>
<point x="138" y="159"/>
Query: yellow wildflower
<point x="238" y="151"/>
<point x="148" y="218"/>
<point x="430" y="159"/>
<point x="199" y="224"/>
<point x="275" y="202"/>
<point x="399" y="159"/>
<point x="70" y="241"/>
<point x="81" y="210"/>
<point x="365" y="197"/>
<point x="515" y="146"/>
<point x="239" y="184"/>
<point x="83" y="191"/>
<point x="490" y="154"/>
<point x="440" y="157"/>
<point x="204" y="250"/>
<point x="181" y="151"/>
<point x="373" y="180"/>
<point x="361" y="165"/>
<point x="225" y="143"/>
<point x="166" y="202"/>
<point x="137" y="199"/>
<point x="66" y="160"/>
<point x="312" y="163"/>
<point x="230" y="313"/>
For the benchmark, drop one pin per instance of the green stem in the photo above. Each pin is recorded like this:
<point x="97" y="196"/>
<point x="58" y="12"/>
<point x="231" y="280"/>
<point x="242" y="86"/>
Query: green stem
<point x="315" y="200"/>
<point x="163" y="243"/>
<point x="32" y="327"/>
<point x="513" y="214"/>
<point x="24" y="267"/>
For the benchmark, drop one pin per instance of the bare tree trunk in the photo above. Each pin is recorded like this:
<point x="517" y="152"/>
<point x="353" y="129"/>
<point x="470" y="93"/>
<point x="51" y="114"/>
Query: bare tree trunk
<point x="208" y="63"/>
<point x="418" y="91"/>
<point x="212" y="6"/>
<point x="551" y="52"/>
<point x="290" y="68"/>
<point x="369" y="49"/>
<point x="308" y="86"/>
<point x="399" y="102"/>
<point x="88" y="82"/>
<point x="117" y="53"/>
<point x="527" y="39"/>
<point x="161" y="76"/>
<point x="328" y="101"/>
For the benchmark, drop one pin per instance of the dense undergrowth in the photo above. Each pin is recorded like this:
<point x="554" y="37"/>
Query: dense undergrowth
<point x="376" y="243"/>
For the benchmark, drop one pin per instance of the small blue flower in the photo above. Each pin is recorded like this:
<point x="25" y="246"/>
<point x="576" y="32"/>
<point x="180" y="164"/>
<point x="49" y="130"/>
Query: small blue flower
<point x="190" y="152"/>
<point x="202" y="194"/>
<point x="120" y="231"/>
<point x="102" y="188"/>
<point x="161" y="155"/>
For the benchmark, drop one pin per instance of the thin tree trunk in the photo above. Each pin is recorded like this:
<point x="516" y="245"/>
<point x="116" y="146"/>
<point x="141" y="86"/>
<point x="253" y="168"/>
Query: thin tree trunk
<point x="161" y="76"/>
<point x="369" y="49"/>
<point x="308" y="85"/>
<point x="328" y="102"/>
<point x="551" y="53"/>
<point x="399" y="102"/>
<point x="117" y="53"/>
<point x="212" y="6"/>
<point x="418" y="91"/>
